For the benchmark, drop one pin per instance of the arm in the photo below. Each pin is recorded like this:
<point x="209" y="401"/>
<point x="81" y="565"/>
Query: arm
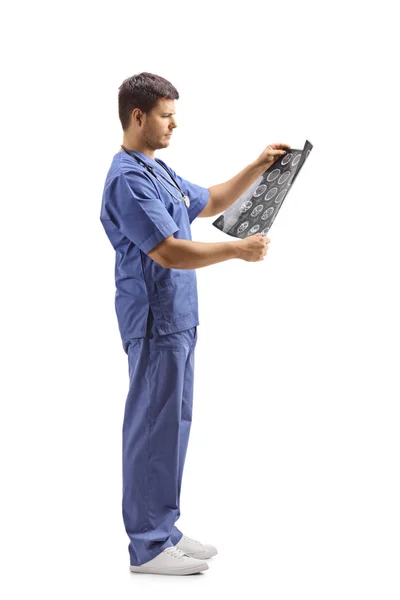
<point x="225" y="194"/>
<point x="186" y="254"/>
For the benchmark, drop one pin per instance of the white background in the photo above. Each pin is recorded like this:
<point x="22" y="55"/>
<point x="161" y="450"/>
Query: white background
<point x="292" y="468"/>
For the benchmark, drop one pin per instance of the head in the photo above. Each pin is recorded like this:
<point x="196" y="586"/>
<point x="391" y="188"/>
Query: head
<point x="146" y="106"/>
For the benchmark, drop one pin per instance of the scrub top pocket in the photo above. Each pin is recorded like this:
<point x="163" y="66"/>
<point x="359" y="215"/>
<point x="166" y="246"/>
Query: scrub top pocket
<point x="175" y="297"/>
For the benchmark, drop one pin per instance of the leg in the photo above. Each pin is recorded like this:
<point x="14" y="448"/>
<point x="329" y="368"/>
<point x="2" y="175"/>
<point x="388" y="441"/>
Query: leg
<point x="136" y="454"/>
<point x="186" y="422"/>
<point x="151" y="441"/>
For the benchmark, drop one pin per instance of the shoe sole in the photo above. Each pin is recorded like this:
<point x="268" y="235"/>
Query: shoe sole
<point x="178" y="571"/>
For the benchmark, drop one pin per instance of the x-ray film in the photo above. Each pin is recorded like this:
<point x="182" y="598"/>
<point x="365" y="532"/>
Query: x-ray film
<point x="255" y="210"/>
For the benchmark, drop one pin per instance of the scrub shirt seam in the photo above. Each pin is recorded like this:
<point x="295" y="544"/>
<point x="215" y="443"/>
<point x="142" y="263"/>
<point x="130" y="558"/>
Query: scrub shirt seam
<point x="194" y="338"/>
<point x="145" y="283"/>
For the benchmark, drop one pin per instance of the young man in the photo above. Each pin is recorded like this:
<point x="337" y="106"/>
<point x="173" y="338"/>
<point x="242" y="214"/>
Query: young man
<point x="146" y="212"/>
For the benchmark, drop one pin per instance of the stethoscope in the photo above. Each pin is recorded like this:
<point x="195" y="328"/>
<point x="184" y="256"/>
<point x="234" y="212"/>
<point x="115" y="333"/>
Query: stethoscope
<point x="151" y="170"/>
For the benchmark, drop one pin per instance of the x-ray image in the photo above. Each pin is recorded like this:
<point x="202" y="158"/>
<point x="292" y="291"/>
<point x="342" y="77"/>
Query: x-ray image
<point x="255" y="210"/>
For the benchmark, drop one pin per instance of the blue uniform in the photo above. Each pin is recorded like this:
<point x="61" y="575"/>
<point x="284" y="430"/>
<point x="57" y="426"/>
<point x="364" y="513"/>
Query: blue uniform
<point x="137" y="214"/>
<point x="157" y="312"/>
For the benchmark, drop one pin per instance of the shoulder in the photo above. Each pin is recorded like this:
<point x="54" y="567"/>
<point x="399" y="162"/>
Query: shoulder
<point x="126" y="171"/>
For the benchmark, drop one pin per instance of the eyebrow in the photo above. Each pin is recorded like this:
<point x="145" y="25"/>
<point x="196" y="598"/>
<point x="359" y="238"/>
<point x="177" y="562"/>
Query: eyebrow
<point x="167" y="114"/>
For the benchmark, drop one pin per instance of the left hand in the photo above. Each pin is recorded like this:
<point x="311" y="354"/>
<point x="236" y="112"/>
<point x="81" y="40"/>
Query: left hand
<point x="271" y="153"/>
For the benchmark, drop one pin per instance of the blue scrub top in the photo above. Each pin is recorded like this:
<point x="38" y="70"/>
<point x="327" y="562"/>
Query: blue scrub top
<point x="138" y="213"/>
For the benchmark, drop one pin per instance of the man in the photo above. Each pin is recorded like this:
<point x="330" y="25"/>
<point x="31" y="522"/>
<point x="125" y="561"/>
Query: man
<point x="146" y="212"/>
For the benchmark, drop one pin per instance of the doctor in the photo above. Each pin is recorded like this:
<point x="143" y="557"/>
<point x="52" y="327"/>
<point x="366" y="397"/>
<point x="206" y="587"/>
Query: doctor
<point x="146" y="211"/>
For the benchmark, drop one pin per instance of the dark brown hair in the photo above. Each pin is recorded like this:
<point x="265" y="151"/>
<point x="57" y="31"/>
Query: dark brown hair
<point x="142" y="91"/>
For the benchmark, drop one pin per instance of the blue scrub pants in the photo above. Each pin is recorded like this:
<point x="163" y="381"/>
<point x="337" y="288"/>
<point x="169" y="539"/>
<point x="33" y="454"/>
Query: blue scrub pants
<point x="155" y="434"/>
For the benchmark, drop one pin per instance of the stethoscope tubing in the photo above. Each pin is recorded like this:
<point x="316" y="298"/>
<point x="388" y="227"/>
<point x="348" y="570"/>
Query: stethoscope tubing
<point x="151" y="170"/>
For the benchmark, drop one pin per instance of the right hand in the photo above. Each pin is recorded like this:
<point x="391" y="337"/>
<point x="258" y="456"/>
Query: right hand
<point x="253" y="248"/>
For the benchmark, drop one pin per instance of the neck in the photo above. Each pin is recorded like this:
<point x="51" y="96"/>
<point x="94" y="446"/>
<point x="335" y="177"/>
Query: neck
<point x="137" y="147"/>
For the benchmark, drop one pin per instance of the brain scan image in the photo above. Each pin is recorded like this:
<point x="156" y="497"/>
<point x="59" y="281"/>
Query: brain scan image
<point x="267" y="213"/>
<point x="242" y="227"/>
<point x="271" y="193"/>
<point x="257" y="208"/>
<point x="284" y="177"/>
<point x="280" y="196"/>
<point x="272" y="176"/>
<point x="260" y="190"/>
<point x="253" y="229"/>
<point x="245" y="206"/>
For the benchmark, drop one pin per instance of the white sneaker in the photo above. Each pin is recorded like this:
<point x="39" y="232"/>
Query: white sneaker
<point x="195" y="549"/>
<point x="171" y="561"/>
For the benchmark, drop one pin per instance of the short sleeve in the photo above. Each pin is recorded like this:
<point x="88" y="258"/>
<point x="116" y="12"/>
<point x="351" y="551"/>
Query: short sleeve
<point x="134" y="207"/>
<point x="198" y="195"/>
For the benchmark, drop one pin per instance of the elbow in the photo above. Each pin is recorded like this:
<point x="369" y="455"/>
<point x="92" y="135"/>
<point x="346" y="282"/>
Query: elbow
<point x="173" y="255"/>
<point x="165" y="253"/>
<point x="166" y="263"/>
<point x="170" y="259"/>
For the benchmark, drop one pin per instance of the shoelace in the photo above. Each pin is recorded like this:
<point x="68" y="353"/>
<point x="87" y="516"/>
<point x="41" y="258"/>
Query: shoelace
<point x="175" y="552"/>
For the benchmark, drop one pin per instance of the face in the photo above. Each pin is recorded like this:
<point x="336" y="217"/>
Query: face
<point x="159" y="123"/>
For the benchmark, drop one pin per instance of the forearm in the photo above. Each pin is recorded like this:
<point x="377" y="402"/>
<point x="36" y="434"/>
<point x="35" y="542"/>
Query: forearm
<point x="186" y="254"/>
<point x="224" y="194"/>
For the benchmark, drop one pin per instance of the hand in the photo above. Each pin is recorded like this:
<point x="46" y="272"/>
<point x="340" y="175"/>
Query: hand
<point x="271" y="153"/>
<point x="253" y="248"/>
